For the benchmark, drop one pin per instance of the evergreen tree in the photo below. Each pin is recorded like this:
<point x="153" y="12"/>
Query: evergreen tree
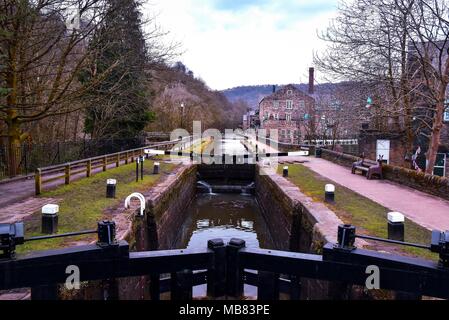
<point x="119" y="108"/>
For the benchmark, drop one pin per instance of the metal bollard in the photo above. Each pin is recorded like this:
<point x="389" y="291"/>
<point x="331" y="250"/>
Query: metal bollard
<point x="50" y="218"/>
<point x="111" y="186"/>
<point x="156" y="168"/>
<point x="396" y="226"/>
<point x="329" y="193"/>
<point x="285" y="172"/>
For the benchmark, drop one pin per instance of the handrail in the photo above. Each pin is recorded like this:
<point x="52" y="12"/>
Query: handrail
<point x="76" y="167"/>
<point x="138" y="196"/>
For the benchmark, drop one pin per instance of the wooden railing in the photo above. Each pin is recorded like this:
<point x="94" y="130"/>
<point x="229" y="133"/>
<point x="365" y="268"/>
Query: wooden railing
<point x="67" y="171"/>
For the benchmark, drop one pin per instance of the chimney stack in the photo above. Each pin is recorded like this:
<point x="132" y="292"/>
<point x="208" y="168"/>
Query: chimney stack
<point x="311" y="80"/>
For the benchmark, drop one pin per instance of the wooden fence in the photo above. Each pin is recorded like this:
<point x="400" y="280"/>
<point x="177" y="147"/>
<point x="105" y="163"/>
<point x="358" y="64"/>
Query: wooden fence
<point x="67" y="171"/>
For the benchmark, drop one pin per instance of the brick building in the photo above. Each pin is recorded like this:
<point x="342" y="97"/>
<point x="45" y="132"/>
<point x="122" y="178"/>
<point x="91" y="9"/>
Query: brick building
<point x="288" y="110"/>
<point x="251" y="120"/>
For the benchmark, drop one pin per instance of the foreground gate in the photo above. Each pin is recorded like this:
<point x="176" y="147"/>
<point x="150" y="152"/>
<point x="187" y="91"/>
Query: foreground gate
<point x="225" y="268"/>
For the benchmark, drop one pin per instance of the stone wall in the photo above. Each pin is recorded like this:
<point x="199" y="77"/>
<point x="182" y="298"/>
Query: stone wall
<point x="299" y="224"/>
<point x="368" y="146"/>
<point x="168" y="202"/>
<point x="435" y="185"/>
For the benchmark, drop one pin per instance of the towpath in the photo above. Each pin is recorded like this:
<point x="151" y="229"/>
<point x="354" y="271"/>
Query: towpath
<point x="426" y="210"/>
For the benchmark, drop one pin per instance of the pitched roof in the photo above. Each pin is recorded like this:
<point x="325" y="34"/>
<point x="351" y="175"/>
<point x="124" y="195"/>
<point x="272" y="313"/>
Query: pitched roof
<point x="279" y="94"/>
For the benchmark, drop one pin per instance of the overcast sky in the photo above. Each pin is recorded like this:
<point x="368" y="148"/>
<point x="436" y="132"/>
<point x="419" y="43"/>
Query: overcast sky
<point x="246" y="42"/>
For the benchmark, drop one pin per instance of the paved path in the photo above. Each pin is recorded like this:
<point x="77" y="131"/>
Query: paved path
<point x="429" y="211"/>
<point x="426" y="210"/>
<point x="16" y="191"/>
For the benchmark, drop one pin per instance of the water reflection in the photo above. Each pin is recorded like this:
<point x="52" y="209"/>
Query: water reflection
<point x="225" y="216"/>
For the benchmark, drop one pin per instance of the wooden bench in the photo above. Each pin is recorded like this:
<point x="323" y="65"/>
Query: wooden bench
<point x="368" y="168"/>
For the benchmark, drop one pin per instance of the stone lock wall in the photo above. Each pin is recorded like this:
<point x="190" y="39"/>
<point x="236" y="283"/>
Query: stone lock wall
<point x="168" y="204"/>
<point x="299" y="224"/>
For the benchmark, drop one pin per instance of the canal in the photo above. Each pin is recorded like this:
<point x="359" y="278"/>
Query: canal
<point x="234" y="214"/>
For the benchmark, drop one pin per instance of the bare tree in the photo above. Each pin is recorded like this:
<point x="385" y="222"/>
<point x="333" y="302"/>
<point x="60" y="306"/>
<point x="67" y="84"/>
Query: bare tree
<point x="399" y="49"/>
<point x="428" y="32"/>
<point x="368" y="46"/>
<point x="43" y="45"/>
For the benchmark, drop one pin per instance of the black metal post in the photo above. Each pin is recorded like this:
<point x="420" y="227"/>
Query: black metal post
<point x="234" y="273"/>
<point x="396" y="226"/>
<point x="141" y="167"/>
<point x="257" y="153"/>
<point x="156" y="168"/>
<point x="137" y="169"/>
<point x="111" y="186"/>
<point x="329" y="193"/>
<point x="106" y="233"/>
<point x="285" y="172"/>
<point x="216" y="278"/>
<point x="346" y="237"/>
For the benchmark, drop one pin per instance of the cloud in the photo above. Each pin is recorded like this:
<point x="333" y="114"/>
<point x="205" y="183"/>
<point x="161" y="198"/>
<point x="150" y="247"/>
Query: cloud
<point x="231" y="43"/>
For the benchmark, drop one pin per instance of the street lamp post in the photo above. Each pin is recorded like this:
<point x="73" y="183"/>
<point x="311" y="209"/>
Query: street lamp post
<point x="182" y="114"/>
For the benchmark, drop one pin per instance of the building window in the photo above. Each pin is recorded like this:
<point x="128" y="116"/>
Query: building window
<point x="288" y="117"/>
<point x="275" y="104"/>
<point x="289" y="104"/>
<point x="302" y="104"/>
<point x="289" y="92"/>
<point x="446" y="114"/>
<point x="276" y="116"/>
<point x="440" y="165"/>
<point x="266" y="115"/>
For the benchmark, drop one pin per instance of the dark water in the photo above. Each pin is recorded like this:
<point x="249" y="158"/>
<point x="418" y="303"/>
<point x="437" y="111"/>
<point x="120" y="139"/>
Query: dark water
<point x="225" y="216"/>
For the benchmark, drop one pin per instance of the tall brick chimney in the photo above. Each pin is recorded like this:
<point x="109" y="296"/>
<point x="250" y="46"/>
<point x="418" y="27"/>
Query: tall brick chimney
<point x="311" y="80"/>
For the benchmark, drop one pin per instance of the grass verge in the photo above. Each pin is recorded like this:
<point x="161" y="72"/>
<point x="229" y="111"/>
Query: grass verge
<point x="369" y="217"/>
<point x="83" y="203"/>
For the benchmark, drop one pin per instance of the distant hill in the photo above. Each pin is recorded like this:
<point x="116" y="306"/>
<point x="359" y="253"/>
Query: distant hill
<point x="253" y="94"/>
